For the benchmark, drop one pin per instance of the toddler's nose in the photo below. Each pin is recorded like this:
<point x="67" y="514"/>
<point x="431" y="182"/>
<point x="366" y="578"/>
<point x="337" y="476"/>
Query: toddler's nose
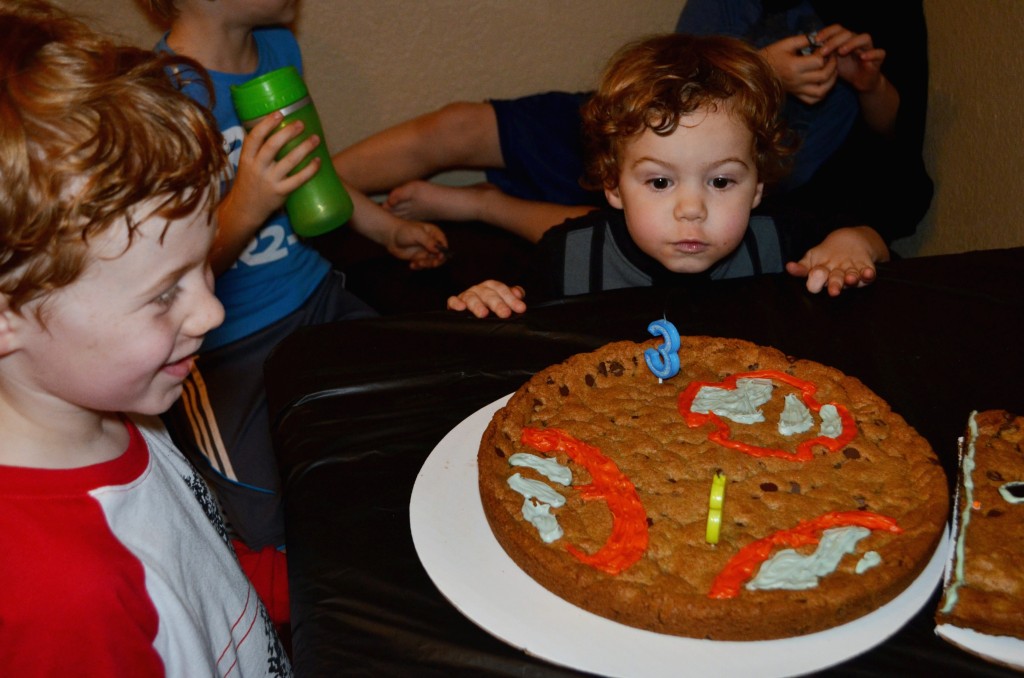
<point x="689" y="205"/>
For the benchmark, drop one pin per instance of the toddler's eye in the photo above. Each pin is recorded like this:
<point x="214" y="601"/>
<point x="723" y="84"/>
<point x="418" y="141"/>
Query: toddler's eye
<point x="659" y="183"/>
<point x="721" y="182"/>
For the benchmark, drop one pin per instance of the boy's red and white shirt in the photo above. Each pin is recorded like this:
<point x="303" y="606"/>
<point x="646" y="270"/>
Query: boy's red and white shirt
<point x="124" y="568"/>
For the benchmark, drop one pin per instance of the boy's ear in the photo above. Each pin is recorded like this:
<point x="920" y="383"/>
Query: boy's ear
<point x="613" y="197"/>
<point x="757" y="195"/>
<point x="9" y="323"/>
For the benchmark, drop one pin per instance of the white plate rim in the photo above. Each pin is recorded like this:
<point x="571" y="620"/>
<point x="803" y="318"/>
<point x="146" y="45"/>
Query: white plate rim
<point x="1004" y="650"/>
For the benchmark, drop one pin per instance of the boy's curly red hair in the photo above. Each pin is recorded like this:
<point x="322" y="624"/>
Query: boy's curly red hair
<point x="654" y="82"/>
<point x="89" y="130"/>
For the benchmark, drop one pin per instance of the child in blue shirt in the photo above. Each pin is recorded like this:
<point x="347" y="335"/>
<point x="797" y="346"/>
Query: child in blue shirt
<point x="270" y="282"/>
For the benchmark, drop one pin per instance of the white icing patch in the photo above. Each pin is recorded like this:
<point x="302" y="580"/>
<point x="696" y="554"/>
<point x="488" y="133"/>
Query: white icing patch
<point x="870" y="559"/>
<point x="795" y="417"/>
<point x="1012" y="492"/>
<point x="535" y="489"/>
<point x="546" y="466"/>
<point x="790" y="570"/>
<point x="964" y="517"/>
<point x="831" y="424"/>
<point x="740" y="404"/>
<point x="539" y="515"/>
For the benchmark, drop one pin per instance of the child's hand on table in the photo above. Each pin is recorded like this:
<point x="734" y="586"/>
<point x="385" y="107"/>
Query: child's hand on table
<point x="846" y="258"/>
<point x="490" y="296"/>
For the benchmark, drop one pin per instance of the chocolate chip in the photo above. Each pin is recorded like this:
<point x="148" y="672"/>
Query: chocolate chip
<point x="590" y="380"/>
<point x="649" y="521"/>
<point x="563" y="390"/>
<point x="992" y="474"/>
<point x="769" y="487"/>
<point x="602" y="369"/>
<point x="851" y="453"/>
<point x="994" y="513"/>
<point x="550" y="381"/>
<point x="794" y="487"/>
<point x="537" y="403"/>
<point x="753" y="366"/>
<point x="500" y="452"/>
<point x="617" y="369"/>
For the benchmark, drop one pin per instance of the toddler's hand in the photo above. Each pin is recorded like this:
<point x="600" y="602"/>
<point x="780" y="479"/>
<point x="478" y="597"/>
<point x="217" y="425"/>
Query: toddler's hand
<point x="262" y="183"/>
<point x="490" y="296"/>
<point x="423" y="245"/>
<point x="846" y="258"/>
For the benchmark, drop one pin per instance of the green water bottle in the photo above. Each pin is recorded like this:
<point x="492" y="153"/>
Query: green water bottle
<point x="321" y="204"/>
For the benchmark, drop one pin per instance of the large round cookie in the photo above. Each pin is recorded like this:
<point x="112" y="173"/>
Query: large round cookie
<point x="642" y="458"/>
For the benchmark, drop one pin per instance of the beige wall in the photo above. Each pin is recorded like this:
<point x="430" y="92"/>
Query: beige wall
<point x="974" y="148"/>
<point x="372" y="63"/>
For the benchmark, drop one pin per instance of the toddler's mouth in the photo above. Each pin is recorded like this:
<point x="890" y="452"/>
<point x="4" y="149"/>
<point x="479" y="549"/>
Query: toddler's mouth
<point x="690" y="246"/>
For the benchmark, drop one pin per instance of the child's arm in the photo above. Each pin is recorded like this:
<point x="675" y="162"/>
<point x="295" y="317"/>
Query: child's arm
<point x="262" y="184"/>
<point x="860" y="64"/>
<point x="845" y="258"/>
<point x="490" y="296"/>
<point x="260" y="187"/>
<point x="423" y="245"/>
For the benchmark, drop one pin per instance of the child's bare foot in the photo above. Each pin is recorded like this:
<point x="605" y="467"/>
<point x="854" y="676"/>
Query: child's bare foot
<point x="427" y="201"/>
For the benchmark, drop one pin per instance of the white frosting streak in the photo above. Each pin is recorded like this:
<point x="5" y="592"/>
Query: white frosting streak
<point x="539" y="514"/>
<point x="966" y="470"/>
<point x="831" y="423"/>
<point x="1007" y="493"/>
<point x="869" y="560"/>
<point x="795" y="417"/>
<point x="741" y="404"/>
<point x="535" y="489"/>
<point x="546" y="466"/>
<point x="790" y="570"/>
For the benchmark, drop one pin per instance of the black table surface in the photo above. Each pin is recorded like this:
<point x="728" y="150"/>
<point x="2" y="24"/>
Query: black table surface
<point x="358" y="407"/>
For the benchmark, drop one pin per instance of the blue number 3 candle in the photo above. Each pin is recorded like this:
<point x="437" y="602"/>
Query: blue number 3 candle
<point x="664" y="360"/>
